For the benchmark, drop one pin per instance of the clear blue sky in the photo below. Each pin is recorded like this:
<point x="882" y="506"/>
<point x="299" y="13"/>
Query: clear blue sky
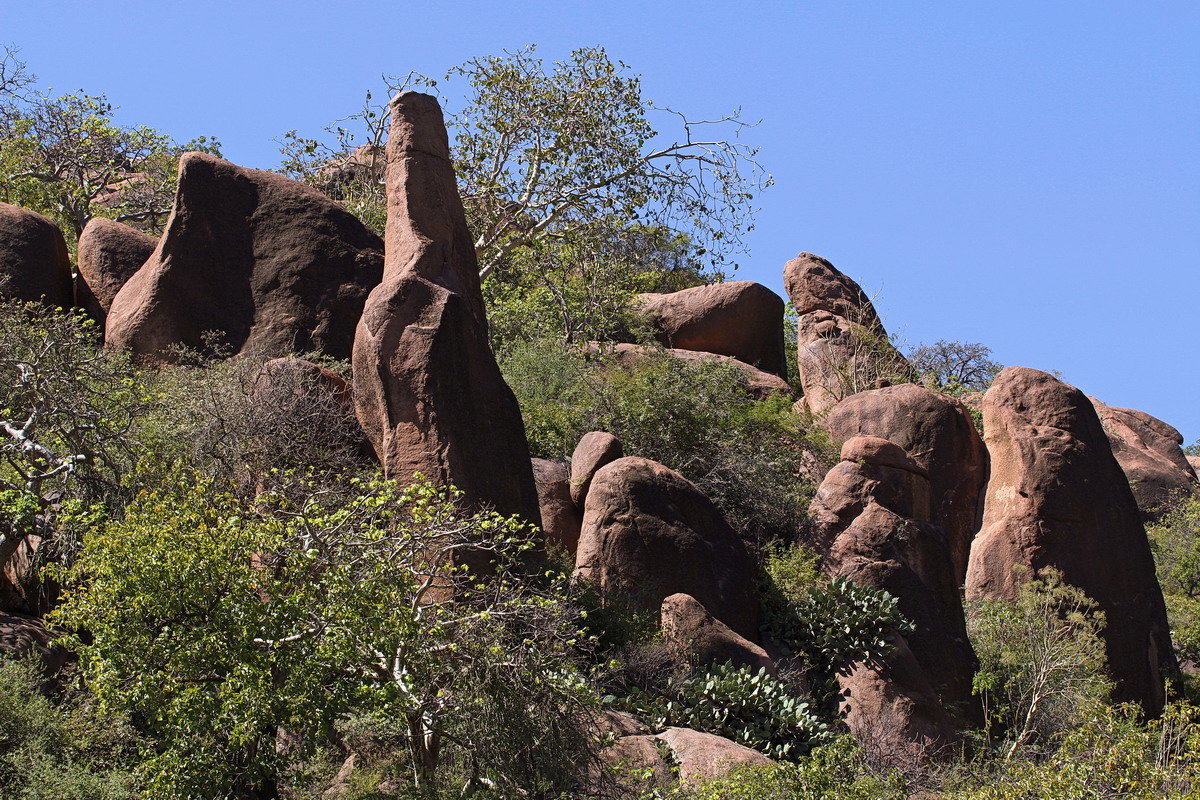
<point x="1023" y="174"/>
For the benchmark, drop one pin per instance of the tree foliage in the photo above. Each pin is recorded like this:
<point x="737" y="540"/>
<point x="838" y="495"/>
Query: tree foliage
<point x="220" y="623"/>
<point x="955" y="367"/>
<point x="65" y="156"/>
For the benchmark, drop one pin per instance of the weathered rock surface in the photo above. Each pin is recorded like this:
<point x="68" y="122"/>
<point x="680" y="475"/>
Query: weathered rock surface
<point x="937" y="432"/>
<point x="633" y="766"/>
<point x="34" y="262"/>
<point x="705" y="756"/>
<point x="894" y="713"/>
<point x="269" y="264"/>
<point x="1195" y="462"/>
<point x="1058" y="498"/>
<point x="740" y="319"/>
<point x="758" y="383"/>
<point x="22" y="636"/>
<point x="22" y="589"/>
<point x="561" y="518"/>
<point x="873" y="510"/>
<point x="1150" y="453"/>
<point x="428" y="392"/>
<point x="595" y="449"/>
<point x="696" y="637"/>
<point x="649" y="533"/>
<point x="109" y="254"/>
<point x="842" y="347"/>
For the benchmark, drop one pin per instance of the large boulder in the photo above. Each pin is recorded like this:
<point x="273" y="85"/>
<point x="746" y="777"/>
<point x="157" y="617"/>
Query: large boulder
<point x="595" y="449"/>
<point x="649" y="533"/>
<point x="695" y="637"/>
<point x="894" y="713"/>
<point x="842" y="347"/>
<point x="269" y="265"/>
<point x="873" y="510"/>
<point x="938" y="433"/>
<point x="34" y="262"/>
<point x="560" y="516"/>
<point x="427" y="388"/>
<point x="23" y="636"/>
<point x="1058" y="498"/>
<point x="109" y="254"/>
<point x="1194" y="461"/>
<point x="740" y="319"/>
<point x="705" y="756"/>
<point x="1151" y="454"/>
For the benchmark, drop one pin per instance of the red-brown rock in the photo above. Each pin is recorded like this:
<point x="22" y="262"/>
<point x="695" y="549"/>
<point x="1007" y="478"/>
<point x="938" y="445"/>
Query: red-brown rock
<point x="894" y="713"/>
<point x="649" y="533"/>
<point x="696" y="637"/>
<point x="23" y="636"/>
<point x="842" y="347"/>
<point x="594" y="450"/>
<point x="872" y="510"/>
<point x="561" y="518"/>
<point x="1151" y="454"/>
<point x="939" y="434"/>
<point x="740" y="319"/>
<point x="1058" y="498"/>
<point x="271" y="265"/>
<point x="429" y="394"/>
<point x="34" y="262"/>
<point x="109" y="253"/>
<point x="706" y="756"/>
<point x="1194" y="461"/>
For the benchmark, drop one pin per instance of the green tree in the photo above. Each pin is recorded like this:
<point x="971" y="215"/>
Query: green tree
<point x="1175" y="541"/>
<point x="65" y="156"/>
<point x="220" y="622"/>
<point x="1041" y="659"/>
<point x="955" y="367"/>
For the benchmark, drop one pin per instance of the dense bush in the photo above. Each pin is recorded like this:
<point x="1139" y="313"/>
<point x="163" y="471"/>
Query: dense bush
<point x="747" y="455"/>
<point x="1175" y="540"/>
<point x="59" y="750"/>
<point x="220" y="623"/>
<point x="1041" y="660"/>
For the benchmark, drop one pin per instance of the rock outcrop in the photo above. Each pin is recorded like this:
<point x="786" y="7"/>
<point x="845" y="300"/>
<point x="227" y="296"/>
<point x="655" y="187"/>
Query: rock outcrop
<point x="595" y="449"/>
<point x="695" y="637"/>
<point x="34" y="262"/>
<point x="560" y="516"/>
<point x="427" y="388"/>
<point x="874" y="511"/>
<point x="842" y="347"/>
<point x="23" y="636"/>
<point x="270" y="265"/>
<point x="1058" y="498"/>
<point x="1195" y="462"/>
<point x="109" y="254"/>
<point x="649" y="533"/>
<point x="893" y="712"/>
<point x="740" y="319"/>
<point x="705" y="756"/>
<point x="937" y="432"/>
<point x="1151" y="454"/>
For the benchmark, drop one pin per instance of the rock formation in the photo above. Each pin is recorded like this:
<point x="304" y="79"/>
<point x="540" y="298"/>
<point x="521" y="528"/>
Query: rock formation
<point x="937" y="432"/>
<point x="740" y="319"/>
<point x="109" y="253"/>
<point x="429" y="394"/>
<point x="594" y="450"/>
<point x="842" y="347"/>
<point x="270" y="265"/>
<point x="34" y="262"/>
<point x="874" y="511"/>
<point x="1151" y="454"/>
<point x="705" y="756"/>
<point x="1058" y="498"/>
<point x="649" y="533"/>
<point x="560" y="516"/>
<point x="696" y="637"/>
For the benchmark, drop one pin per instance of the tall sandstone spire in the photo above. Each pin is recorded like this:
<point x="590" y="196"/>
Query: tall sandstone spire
<point x="427" y="388"/>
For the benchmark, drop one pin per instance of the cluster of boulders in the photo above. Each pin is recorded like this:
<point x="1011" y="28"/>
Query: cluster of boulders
<point x="920" y="505"/>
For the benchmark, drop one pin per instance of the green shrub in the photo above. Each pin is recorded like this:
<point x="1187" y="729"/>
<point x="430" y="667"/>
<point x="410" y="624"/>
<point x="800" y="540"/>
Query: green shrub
<point x="58" y="751"/>
<point x="1041" y="659"/>
<point x="833" y="771"/>
<point x="696" y="418"/>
